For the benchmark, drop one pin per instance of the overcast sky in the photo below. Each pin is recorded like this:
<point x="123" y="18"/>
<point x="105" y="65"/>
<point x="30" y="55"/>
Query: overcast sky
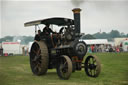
<point x="95" y="15"/>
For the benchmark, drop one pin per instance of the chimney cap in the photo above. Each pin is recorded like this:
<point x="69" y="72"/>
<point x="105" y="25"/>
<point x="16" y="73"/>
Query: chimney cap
<point x="76" y="10"/>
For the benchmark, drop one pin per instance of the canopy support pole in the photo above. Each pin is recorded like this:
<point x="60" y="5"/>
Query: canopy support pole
<point x="35" y="29"/>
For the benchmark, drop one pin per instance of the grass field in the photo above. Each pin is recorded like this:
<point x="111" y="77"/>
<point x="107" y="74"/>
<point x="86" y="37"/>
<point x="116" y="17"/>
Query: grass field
<point x="15" y="70"/>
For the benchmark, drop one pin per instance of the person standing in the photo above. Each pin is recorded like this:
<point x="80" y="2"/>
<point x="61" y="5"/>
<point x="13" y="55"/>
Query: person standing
<point x="1" y="51"/>
<point x="47" y="30"/>
<point x="37" y="37"/>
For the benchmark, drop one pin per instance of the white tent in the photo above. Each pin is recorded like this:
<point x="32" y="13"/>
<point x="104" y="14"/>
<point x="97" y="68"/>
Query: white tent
<point x="12" y="47"/>
<point x="95" y="41"/>
<point x="29" y="46"/>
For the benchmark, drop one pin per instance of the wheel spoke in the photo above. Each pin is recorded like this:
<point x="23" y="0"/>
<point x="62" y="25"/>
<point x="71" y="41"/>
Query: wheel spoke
<point x="37" y="46"/>
<point x="94" y="60"/>
<point x="33" y="51"/>
<point x="95" y="72"/>
<point x="39" y="69"/>
<point x="38" y="52"/>
<point x="91" y="72"/>
<point x="35" y="68"/>
<point x="65" y="63"/>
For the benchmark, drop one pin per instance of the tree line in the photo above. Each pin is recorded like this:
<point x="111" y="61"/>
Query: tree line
<point x="98" y="35"/>
<point x="22" y="39"/>
<point x="104" y="35"/>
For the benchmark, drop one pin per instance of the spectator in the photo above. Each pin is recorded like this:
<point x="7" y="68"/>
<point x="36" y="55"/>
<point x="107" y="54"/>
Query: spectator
<point x="92" y="48"/>
<point x="37" y="37"/>
<point x="1" y="51"/>
<point x="117" y="49"/>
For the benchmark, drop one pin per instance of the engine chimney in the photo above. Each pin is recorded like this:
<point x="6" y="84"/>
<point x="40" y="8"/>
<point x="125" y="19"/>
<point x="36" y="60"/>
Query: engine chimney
<point x="76" y="12"/>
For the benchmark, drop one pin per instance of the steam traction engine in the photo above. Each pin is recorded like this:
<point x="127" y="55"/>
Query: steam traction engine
<point x="63" y="51"/>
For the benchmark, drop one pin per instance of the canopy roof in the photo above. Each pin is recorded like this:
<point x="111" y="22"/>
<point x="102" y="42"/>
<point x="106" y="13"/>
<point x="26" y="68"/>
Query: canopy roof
<point x="55" y="21"/>
<point x="96" y="41"/>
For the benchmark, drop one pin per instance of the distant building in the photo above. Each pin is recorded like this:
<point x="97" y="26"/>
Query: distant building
<point x="12" y="47"/>
<point x="117" y="41"/>
<point x="29" y="46"/>
<point x="124" y="45"/>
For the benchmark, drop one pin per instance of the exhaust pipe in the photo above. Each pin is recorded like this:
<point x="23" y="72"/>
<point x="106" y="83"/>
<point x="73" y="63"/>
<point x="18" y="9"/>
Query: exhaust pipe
<point x="76" y="12"/>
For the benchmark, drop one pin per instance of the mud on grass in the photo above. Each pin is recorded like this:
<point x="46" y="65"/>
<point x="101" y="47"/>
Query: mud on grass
<point x="15" y="70"/>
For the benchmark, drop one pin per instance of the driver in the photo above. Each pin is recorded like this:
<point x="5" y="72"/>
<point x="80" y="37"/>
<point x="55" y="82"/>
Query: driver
<point x="37" y="37"/>
<point x="49" y="38"/>
<point x="47" y="30"/>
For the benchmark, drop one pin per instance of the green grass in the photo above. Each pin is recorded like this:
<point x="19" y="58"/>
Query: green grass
<point x="15" y="70"/>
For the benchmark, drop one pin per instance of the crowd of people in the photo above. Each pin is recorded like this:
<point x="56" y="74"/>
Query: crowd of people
<point x="46" y="31"/>
<point x="104" y="48"/>
<point x="49" y="35"/>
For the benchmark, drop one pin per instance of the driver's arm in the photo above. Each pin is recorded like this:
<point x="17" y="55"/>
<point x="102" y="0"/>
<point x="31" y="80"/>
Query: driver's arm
<point x="51" y="31"/>
<point x="61" y="30"/>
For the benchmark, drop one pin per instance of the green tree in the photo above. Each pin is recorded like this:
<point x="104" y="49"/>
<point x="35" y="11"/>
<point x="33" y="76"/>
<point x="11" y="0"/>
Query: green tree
<point x="97" y="35"/>
<point x="110" y="35"/>
<point x="7" y="38"/>
<point x="122" y="34"/>
<point x="114" y="34"/>
<point x="88" y="36"/>
<point x="24" y="39"/>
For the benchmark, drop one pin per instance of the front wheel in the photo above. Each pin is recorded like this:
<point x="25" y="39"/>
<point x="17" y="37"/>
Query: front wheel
<point x="64" y="68"/>
<point x="92" y="66"/>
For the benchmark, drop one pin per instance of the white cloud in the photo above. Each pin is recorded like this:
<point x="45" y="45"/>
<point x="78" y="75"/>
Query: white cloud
<point x="0" y="19"/>
<point x="94" y="16"/>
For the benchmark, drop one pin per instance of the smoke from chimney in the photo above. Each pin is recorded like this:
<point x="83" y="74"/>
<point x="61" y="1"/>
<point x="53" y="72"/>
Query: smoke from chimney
<point x="77" y="3"/>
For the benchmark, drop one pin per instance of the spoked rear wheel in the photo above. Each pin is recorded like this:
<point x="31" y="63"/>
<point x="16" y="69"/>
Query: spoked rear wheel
<point x="92" y="66"/>
<point x="64" y="69"/>
<point x="39" y="58"/>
